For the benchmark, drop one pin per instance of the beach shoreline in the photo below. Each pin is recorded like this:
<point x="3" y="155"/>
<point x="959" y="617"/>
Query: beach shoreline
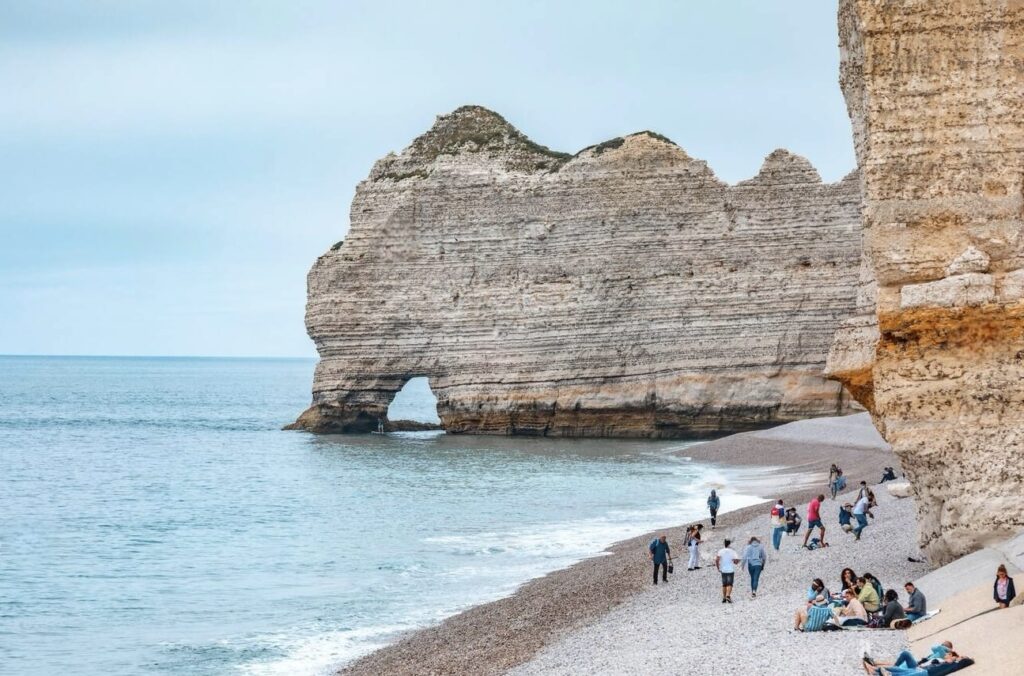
<point x="496" y="637"/>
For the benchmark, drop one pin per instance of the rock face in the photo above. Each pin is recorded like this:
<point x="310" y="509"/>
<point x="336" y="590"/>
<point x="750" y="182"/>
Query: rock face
<point x="936" y="95"/>
<point x="623" y="291"/>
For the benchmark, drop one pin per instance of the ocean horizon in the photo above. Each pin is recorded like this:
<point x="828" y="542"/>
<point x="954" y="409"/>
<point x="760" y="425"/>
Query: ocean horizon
<point x="160" y="521"/>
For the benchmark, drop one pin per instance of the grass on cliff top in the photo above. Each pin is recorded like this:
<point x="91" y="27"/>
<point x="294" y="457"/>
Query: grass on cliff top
<point x="475" y="129"/>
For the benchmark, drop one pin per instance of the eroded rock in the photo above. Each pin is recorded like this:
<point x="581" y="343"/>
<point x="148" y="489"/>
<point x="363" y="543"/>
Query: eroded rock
<point x="622" y="291"/>
<point x="936" y="95"/>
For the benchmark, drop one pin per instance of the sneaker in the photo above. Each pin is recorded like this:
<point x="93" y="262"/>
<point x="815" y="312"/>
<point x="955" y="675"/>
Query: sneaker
<point x="753" y="595"/>
<point x="689" y="569"/>
<point x="723" y="600"/>
<point x="728" y="599"/>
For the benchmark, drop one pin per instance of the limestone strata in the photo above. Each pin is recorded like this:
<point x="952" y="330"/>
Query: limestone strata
<point x="623" y="291"/>
<point x="936" y="95"/>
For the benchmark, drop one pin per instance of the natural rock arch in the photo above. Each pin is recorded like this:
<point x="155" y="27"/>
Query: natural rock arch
<point x="621" y="291"/>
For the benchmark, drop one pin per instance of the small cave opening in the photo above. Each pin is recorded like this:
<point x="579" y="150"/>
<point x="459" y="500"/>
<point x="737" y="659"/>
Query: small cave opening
<point x="414" y="407"/>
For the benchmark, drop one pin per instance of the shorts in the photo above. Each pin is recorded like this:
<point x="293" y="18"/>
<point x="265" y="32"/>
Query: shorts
<point x="816" y="523"/>
<point x="727" y="579"/>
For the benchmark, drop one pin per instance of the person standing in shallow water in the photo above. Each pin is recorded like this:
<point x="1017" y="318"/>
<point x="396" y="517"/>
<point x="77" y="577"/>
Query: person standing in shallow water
<point x="726" y="561"/>
<point x="713" y="504"/>
<point x="755" y="556"/>
<point x="660" y="555"/>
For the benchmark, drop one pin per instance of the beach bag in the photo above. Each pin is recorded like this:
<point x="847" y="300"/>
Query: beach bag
<point x="814" y="544"/>
<point x="671" y="569"/>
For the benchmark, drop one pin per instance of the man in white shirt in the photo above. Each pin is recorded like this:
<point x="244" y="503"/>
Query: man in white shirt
<point x="726" y="561"/>
<point x="862" y="508"/>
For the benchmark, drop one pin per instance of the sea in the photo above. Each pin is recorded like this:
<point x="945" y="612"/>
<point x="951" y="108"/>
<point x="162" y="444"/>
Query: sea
<point x="157" y="520"/>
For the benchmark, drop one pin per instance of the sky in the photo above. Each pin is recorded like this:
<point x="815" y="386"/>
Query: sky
<point x="169" y="170"/>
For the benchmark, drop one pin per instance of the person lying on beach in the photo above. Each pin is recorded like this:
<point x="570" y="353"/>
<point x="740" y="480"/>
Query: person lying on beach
<point x="814" y="519"/>
<point x="906" y="659"/>
<point x="845" y="516"/>
<point x="892" y="612"/>
<point x="852" y="614"/>
<point x="917" y="605"/>
<point x="814" y="616"/>
<point x="947" y="665"/>
<point x="1003" y="590"/>
<point x="661" y="555"/>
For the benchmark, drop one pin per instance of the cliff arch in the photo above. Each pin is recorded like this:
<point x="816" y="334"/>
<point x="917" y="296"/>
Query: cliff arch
<point x="623" y="291"/>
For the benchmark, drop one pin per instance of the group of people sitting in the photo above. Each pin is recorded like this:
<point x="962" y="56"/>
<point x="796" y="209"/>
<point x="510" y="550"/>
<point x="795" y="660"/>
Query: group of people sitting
<point x="941" y="660"/>
<point x="863" y="602"/>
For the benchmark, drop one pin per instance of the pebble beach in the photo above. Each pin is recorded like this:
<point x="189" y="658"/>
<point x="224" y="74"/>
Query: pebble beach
<point x="603" y="615"/>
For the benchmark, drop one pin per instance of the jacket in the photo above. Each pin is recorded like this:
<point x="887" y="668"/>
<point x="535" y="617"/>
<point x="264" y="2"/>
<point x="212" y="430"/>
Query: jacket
<point x="1011" y="591"/>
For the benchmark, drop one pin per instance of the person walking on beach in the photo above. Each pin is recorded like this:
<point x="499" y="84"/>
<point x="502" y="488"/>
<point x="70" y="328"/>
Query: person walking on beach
<point x="660" y="554"/>
<point x="755" y="556"/>
<point x="814" y="520"/>
<point x="861" y="511"/>
<point x="713" y="504"/>
<point x="778" y="523"/>
<point x="693" y="538"/>
<point x="726" y="561"/>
